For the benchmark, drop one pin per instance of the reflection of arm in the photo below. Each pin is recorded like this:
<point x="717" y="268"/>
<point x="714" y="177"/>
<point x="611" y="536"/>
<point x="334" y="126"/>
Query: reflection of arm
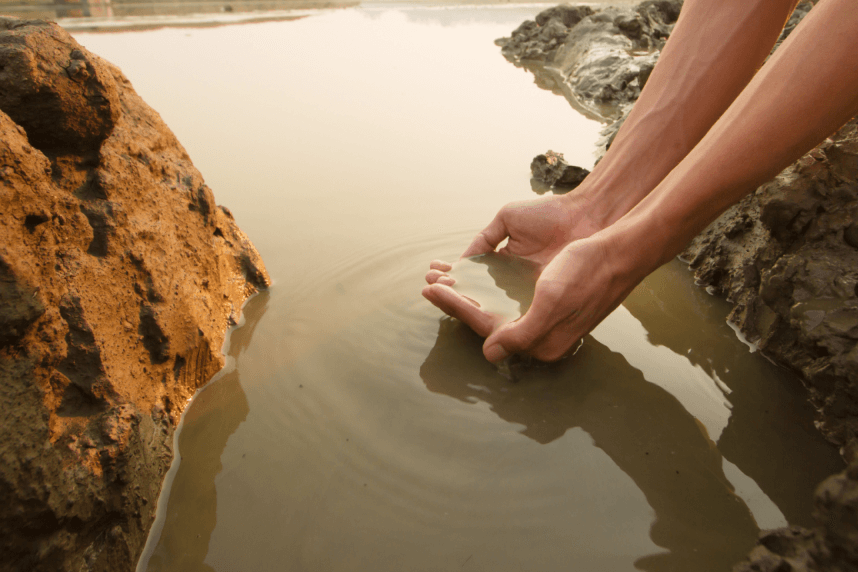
<point x="713" y="52"/>
<point x="806" y="91"/>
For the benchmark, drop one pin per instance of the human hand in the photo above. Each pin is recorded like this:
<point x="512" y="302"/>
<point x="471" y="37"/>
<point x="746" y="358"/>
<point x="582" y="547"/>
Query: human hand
<point x="537" y="230"/>
<point x="584" y="282"/>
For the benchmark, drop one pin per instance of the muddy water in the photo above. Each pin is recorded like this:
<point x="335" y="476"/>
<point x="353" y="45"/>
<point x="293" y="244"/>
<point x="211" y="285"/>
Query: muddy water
<point x="357" y="429"/>
<point x="500" y="284"/>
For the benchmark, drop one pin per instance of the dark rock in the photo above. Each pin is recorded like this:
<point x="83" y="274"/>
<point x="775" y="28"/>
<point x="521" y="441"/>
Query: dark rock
<point x="803" y="312"/>
<point x="567" y="15"/>
<point x="850" y="235"/>
<point x="831" y="546"/>
<point x="102" y="341"/>
<point x="599" y="59"/>
<point x="555" y="173"/>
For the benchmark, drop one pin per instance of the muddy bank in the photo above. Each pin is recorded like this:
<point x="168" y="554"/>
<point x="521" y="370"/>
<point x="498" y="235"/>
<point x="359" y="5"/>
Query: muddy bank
<point x="786" y="256"/>
<point x="599" y="59"/>
<point x="118" y="278"/>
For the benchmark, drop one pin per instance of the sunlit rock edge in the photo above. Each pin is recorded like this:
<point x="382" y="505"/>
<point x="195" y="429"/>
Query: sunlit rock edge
<point x="119" y="276"/>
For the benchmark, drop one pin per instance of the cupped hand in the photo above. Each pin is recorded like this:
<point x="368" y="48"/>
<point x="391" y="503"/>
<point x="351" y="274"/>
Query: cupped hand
<point x="581" y="285"/>
<point x="537" y="230"/>
<point x="577" y="289"/>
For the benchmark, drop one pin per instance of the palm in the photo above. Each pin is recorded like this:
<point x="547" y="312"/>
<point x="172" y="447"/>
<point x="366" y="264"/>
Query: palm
<point x="537" y="231"/>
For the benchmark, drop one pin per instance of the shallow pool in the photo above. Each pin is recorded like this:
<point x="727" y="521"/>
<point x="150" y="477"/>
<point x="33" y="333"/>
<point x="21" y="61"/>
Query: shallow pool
<point x="355" y="428"/>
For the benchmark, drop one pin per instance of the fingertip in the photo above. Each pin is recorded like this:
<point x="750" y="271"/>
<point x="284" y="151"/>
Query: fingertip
<point x="475" y="250"/>
<point x="495" y="353"/>
<point x="440" y="265"/>
<point x="436" y="276"/>
<point x="488" y="238"/>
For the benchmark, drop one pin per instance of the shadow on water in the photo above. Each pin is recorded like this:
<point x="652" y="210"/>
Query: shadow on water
<point x="644" y="429"/>
<point x="216" y="414"/>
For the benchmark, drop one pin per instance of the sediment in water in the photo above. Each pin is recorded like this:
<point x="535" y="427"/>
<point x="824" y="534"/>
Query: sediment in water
<point x="786" y="256"/>
<point x="119" y="276"/>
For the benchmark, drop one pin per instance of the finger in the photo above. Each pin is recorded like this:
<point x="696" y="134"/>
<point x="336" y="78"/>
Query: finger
<point x="488" y="238"/>
<point x="454" y="304"/>
<point x="558" y="343"/>
<point x="524" y="334"/>
<point x="434" y="276"/>
<point x="440" y="265"/>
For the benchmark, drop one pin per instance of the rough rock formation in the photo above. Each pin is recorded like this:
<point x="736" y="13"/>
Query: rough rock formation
<point x="118" y="278"/>
<point x="599" y="60"/>
<point x="551" y="172"/>
<point x="832" y="546"/>
<point x="786" y="256"/>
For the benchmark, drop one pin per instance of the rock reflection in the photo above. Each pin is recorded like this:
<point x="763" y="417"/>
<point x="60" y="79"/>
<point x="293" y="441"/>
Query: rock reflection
<point x="770" y="430"/>
<point x="701" y="523"/>
<point x="214" y="416"/>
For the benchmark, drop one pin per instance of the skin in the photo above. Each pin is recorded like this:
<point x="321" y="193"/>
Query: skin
<point x="691" y="147"/>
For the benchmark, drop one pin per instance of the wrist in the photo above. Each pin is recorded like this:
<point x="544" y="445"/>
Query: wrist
<point x="585" y="212"/>
<point x="637" y="243"/>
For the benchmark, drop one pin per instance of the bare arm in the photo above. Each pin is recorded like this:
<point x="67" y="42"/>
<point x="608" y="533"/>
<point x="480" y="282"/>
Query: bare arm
<point x="805" y="92"/>
<point x="712" y="54"/>
<point x="802" y="94"/>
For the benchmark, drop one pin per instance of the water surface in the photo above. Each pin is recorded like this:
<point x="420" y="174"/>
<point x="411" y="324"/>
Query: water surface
<point x="355" y="427"/>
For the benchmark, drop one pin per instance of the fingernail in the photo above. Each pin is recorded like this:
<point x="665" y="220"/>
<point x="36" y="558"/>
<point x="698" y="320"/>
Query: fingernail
<point x="495" y="353"/>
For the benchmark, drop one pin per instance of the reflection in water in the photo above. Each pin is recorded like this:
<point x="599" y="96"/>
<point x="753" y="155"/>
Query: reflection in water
<point x="644" y="430"/>
<point x="181" y="540"/>
<point x="501" y="284"/>
<point x="770" y="428"/>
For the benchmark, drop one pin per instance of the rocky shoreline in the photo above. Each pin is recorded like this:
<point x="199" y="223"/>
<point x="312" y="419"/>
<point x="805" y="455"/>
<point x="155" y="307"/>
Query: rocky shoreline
<point x="785" y="257"/>
<point x="119" y="276"/>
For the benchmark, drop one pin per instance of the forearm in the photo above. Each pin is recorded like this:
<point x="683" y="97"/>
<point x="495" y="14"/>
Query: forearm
<point x="713" y="52"/>
<point x="805" y="92"/>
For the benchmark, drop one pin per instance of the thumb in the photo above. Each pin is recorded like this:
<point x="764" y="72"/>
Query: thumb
<point x="518" y="336"/>
<point x="488" y="238"/>
<point x="496" y="352"/>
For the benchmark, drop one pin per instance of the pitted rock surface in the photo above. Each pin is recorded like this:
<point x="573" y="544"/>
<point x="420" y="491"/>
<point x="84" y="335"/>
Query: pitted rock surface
<point x="119" y="276"/>
<point x="598" y="59"/>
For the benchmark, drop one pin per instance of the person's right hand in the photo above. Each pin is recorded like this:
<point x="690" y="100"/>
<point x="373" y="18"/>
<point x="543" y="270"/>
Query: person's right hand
<point x="537" y="230"/>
